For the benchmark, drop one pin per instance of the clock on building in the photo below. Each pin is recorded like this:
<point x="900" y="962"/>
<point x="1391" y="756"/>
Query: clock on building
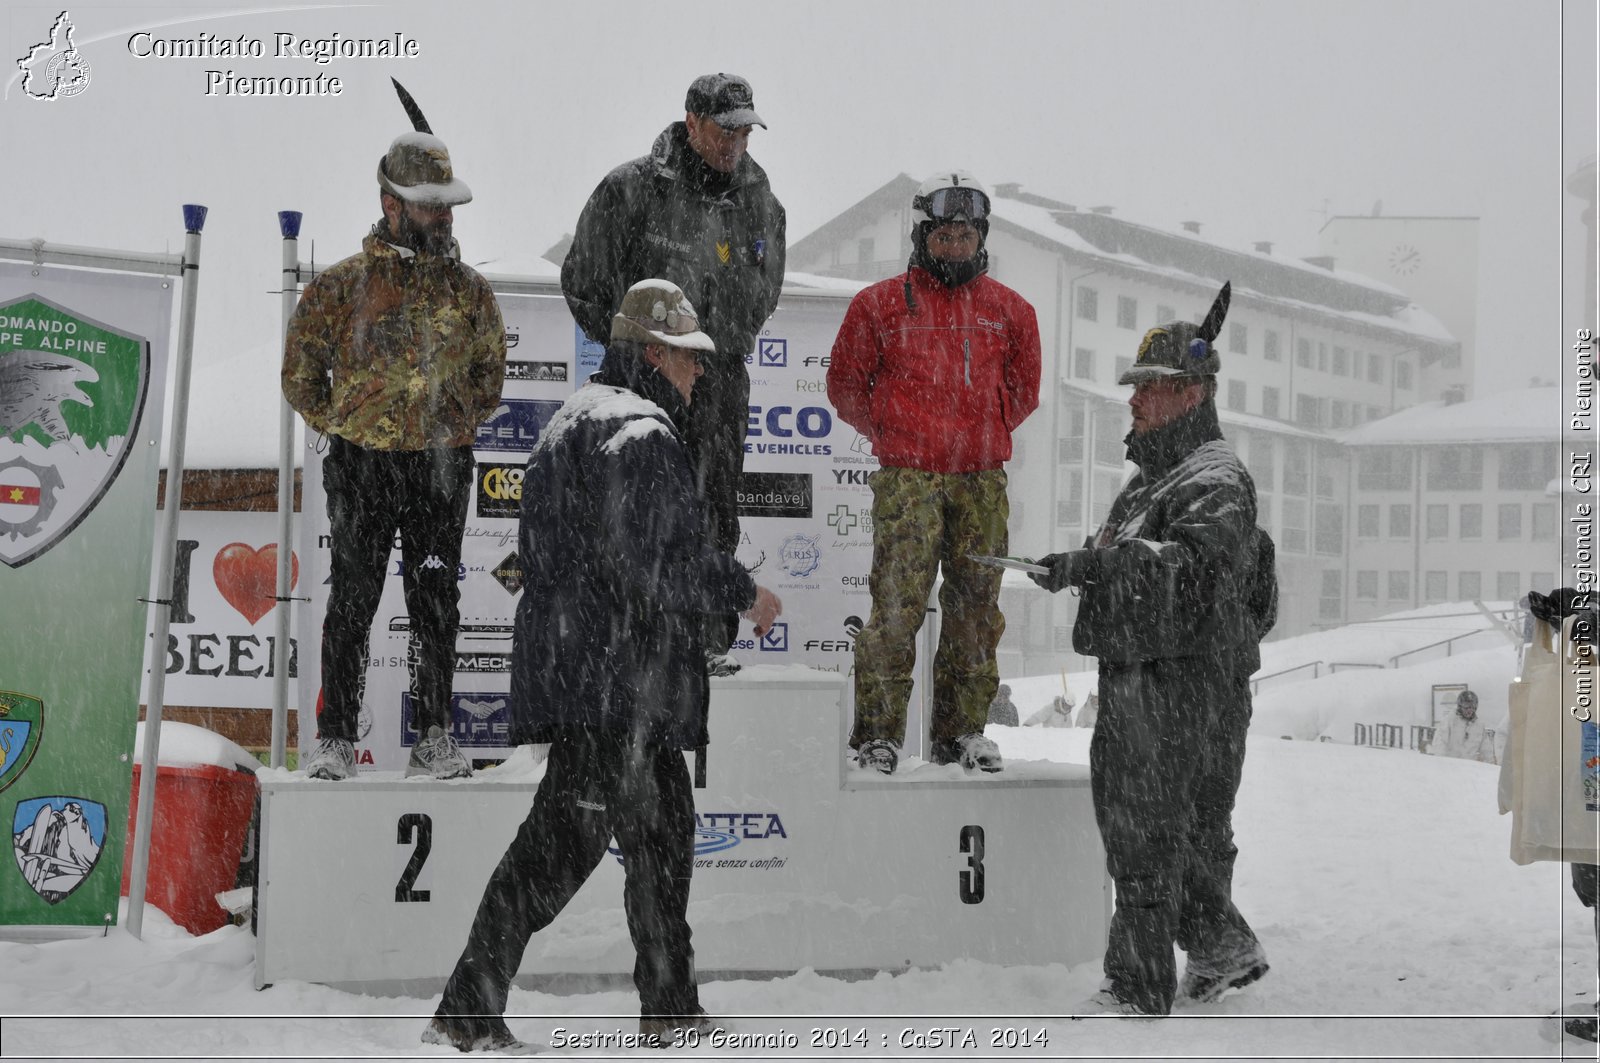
<point x="1405" y="259"/>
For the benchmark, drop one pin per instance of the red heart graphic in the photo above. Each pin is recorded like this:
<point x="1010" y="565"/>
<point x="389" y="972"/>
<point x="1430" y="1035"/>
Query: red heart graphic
<point x="248" y="578"/>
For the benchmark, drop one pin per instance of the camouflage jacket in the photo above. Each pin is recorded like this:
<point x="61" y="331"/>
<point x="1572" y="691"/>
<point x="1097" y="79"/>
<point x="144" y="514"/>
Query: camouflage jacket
<point x="721" y="238"/>
<point x="393" y="350"/>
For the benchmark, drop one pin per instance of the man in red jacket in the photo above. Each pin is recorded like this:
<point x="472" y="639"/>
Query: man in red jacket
<point x="936" y="368"/>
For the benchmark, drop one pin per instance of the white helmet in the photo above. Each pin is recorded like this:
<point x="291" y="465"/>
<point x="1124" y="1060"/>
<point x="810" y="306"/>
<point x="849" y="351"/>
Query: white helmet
<point x="950" y="195"/>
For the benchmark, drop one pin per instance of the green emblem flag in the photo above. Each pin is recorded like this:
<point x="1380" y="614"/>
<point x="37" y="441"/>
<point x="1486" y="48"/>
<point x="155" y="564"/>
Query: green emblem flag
<point x="82" y="365"/>
<point x="21" y="724"/>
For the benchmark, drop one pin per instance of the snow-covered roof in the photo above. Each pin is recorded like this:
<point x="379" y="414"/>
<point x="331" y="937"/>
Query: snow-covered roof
<point x="1410" y="319"/>
<point x="1529" y="415"/>
<point x="1119" y="394"/>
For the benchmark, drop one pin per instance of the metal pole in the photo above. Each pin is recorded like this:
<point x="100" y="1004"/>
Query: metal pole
<point x="289" y="226"/>
<point x="194" y="219"/>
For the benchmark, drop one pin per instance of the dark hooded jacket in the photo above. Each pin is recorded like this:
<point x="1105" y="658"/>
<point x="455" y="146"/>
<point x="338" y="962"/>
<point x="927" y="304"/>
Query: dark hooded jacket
<point x="617" y="568"/>
<point x="719" y="237"/>
<point x="1176" y="570"/>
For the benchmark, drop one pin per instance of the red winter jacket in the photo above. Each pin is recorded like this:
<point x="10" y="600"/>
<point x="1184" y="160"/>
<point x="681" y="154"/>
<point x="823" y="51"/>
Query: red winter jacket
<point x="942" y="387"/>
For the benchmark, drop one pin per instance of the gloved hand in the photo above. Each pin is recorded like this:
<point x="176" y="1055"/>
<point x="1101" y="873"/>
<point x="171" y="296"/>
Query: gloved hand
<point x="1065" y="570"/>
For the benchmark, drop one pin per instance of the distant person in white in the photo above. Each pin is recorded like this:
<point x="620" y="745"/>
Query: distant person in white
<point x="1462" y="734"/>
<point x="1056" y="714"/>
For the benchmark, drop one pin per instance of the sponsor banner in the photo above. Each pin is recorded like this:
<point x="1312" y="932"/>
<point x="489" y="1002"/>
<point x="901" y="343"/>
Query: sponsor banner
<point x="499" y="491"/>
<point x="775" y="494"/>
<point x="82" y="374"/>
<point x="222" y="645"/>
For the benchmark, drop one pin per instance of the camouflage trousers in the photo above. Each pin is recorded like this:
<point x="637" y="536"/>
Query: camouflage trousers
<point x="923" y="521"/>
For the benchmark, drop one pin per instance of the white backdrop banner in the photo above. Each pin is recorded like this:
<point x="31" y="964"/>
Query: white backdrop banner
<point x="805" y="522"/>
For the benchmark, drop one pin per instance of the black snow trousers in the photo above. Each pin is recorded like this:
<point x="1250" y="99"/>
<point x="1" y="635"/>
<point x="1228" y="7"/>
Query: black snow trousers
<point x="1164" y="764"/>
<point x="372" y="494"/>
<point x="598" y="784"/>
<point x="718" y="419"/>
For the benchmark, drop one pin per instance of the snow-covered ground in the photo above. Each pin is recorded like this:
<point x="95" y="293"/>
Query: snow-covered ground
<point x="1378" y="881"/>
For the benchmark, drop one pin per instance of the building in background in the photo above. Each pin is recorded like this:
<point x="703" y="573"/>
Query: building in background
<point x="1434" y="261"/>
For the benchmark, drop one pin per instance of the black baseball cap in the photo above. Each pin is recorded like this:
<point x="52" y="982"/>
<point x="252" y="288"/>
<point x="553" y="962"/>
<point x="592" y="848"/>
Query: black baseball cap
<point x="724" y="98"/>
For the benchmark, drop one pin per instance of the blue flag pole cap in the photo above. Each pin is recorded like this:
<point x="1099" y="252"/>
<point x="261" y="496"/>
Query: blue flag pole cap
<point x="194" y="217"/>
<point x="289" y="223"/>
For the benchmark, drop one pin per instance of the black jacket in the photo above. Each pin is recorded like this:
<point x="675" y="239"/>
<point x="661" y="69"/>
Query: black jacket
<point x="719" y="237"/>
<point x="1175" y="570"/>
<point x="617" y="569"/>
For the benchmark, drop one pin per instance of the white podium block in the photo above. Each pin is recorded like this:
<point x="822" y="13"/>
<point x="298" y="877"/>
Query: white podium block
<point x="800" y="861"/>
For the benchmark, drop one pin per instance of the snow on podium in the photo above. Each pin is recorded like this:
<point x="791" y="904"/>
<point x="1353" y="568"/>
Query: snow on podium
<point x="801" y="860"/>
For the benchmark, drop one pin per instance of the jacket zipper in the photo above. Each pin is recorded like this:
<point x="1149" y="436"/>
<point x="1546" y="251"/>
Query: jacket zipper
<point x="966" y="357"/>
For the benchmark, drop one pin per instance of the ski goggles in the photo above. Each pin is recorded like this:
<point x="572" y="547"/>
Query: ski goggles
<point x="956" y="204"/>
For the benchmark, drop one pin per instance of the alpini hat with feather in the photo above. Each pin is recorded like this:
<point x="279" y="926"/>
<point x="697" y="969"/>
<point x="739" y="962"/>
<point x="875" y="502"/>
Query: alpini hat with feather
<point x="416" y="168"/>
<point x="1181" y="348"/>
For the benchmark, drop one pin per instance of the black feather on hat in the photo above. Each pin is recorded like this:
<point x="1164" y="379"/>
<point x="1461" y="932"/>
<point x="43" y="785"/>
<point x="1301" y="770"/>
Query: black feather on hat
<point x="1181" y="348"/>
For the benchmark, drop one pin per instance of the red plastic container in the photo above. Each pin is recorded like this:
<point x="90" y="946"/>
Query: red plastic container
<point x="202" y="820"/>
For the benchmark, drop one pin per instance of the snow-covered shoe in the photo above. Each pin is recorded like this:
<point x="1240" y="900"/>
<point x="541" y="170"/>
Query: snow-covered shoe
<point x="1106" y="1001"/>
<point x="970" y="751"/>
<point x="497" y="1039"/>
<point x="879" y="754"/>
<point x="1205" y="984"/>
<point x="333" y="759"/>
<point x="678" y="1031"/>
<point x="439" y="756"/>
<point x="721" y="664"/>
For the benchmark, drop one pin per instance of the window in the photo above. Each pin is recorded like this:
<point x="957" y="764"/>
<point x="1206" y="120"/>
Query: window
<point x="1088" y="304"/>
<point x="1383" y="469"/>
<point x="1373" y="412"/>
<point x="1327" y="458"/>
<point x="1438" y="519"/>
<point x="1236" y="395"/>
<point x="1127" y="312"/>
<point x="1269" y="402"/>
<point x="1469" y="586"/>
<point x="1367" y="584"/>
<point x="1341" y="362"/>
<point x="1366" y="522"/>
<point x="1322" y="357"/>
<point x="1302" y="353"/>
<point x="1527" y="468"/>
<point x="1238" y="338"/>
<point x="1507" y="586"/>
<point x="1511" y="521"/>
<point x="1541" y="579"/>
<point x="1332" y="595"/>
<point x="1124" y="364"/>
<point x="1165" y="314"/>
<point x="1083" y="363"/>
<point x="1259" y="463"/>
<point x="1544" y="523"/>
<point x="1070" y="447"/>
<point x="1400" y="521"/>
<point x="1106" y="486"/>
<point x="1456" y="469"/>
<point x="1110" y="426"/>
<point x="1063" y="638"/>
<point x="1329" y="532"/>
<point x="1269" y="346"/>
<point x="1402" y="375"/>
<point x="865" y="249"/>
<point x="1305" y="411"/>
<point x="1069" y="510"/>
<point x="1374" y="369"/>
<point x="1435" y="586"/>
<point x="1292" y="535"/>
<point x="1296" y="455"/>
<point x="1339" y="413"/>
<point x="1470" y="519"/>
<point x="1399" y="585"/>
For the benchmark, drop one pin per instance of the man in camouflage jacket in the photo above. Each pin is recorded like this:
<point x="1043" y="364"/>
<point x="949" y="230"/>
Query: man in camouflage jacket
<point x="396" y="355"/>
<point x="697" y="211"/>
<point x="1178" y="590"/>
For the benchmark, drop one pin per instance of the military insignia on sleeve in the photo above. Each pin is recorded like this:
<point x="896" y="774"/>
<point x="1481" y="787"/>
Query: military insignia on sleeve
<point x="724" y="252"/>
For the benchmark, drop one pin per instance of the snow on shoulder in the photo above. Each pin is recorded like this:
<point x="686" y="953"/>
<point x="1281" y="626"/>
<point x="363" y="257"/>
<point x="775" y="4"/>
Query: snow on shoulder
<point x="599" y="402"/>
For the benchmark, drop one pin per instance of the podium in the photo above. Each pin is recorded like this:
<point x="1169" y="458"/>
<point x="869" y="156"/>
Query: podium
<point x="802" y="860"/>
